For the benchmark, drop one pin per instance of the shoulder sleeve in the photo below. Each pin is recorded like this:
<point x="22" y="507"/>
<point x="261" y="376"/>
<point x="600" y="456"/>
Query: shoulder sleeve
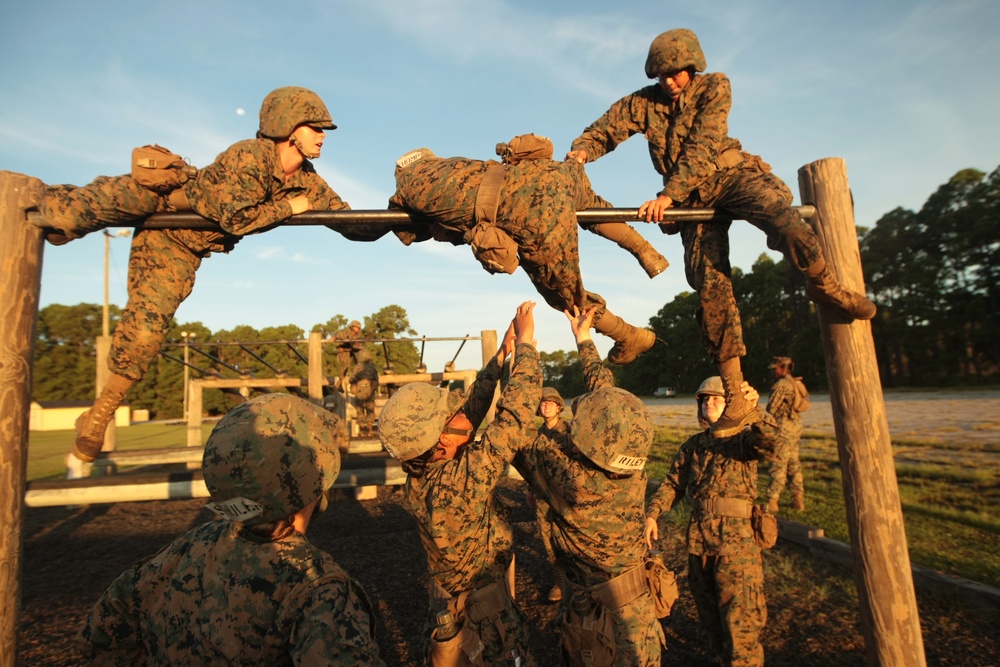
<point x="708" y="132"/>
<point x="513" y="428"/>
<point x="672" y="489"/>
<point x="111" y="632"/>
<point x="596" y="374"/>
<point x="626" y="117"/>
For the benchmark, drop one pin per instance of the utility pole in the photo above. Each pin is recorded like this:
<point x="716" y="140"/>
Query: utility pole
<point x="187" y="336"/>
<point x="104" y="343"/>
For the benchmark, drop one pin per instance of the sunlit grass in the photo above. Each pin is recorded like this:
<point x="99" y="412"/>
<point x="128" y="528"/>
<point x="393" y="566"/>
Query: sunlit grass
<point x="949" y="511"/>
<point x="47" y="450"/>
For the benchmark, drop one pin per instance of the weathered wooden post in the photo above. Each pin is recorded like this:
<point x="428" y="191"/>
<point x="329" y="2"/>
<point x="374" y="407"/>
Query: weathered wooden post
<point x="316" y="375"/>
<point x="889" y="617"/>
<point x="20" y="284"/>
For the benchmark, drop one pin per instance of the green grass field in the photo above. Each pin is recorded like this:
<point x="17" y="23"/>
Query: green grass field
<point x="949" y="509"/>
<point x="47" y="450"/>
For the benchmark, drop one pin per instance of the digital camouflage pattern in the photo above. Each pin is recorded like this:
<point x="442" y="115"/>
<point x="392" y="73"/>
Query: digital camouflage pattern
<point x="556" y="437"/>
<point x="467" y="537"/>
<point x="538" y="204"/>
<point x="787" y="467"/>
<point x="413" y="419"/>
<point x="244" y="190"/>
<point x="612" y="428"/>
<point x="213" y="597"/>
<point x="673" y="51"/>
<point x="597" y="529"/>
<point x="363" y="378"/>
<point x="725" y="572"/>
<point x="284" y="109"/>
<point x="702" y="166"/>
<point x="278" y="451"/>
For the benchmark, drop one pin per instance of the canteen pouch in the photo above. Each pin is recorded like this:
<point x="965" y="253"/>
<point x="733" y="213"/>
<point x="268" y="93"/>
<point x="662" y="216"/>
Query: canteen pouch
<point x="157" y="169"/>
<point x="662" y="585"/>
<point x="493" y="247"/>
<point x="765" y="527"/>
<point x="588" y="635"/>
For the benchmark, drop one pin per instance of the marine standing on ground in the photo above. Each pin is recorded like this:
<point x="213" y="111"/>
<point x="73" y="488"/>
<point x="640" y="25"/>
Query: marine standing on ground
<point x="527" y="210"/>
<point x="450" y="486"/>
<point x="684" y="117"/>
<point x="362" y="381"/>
<point x="596" y="488"/>
<point x="718" y="476"/>
<point x="554" y="432"/>
<point x="781" y="405"/>
<point x="254" y="185"/>
<point x="248" y="588"/>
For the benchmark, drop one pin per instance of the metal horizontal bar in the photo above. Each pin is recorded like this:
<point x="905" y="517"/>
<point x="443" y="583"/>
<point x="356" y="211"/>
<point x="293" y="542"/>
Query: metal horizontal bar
<point x="335" y="219"/>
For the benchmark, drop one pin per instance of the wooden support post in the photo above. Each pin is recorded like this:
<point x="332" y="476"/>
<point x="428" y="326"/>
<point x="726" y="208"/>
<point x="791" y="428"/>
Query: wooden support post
<point x="488" y="339"/>
<point x="889" y="617"/>
<point x="194" y="401"/>
<point x="316" y="376"/>
<point x="20" y="285"/>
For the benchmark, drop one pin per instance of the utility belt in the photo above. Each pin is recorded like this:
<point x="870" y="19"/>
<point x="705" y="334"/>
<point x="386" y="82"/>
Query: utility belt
<point x="465" y="647"/>
<point x="736" y="508"/>
<point x="492" y="246"/>
<point x="588" y="634"/>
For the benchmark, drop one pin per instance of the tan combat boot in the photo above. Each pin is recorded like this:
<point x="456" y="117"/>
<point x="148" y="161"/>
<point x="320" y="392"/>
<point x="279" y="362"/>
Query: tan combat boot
<point x="739" y="412"/>
<point x="798" y="502"/>
<point x="823" y="287"/>
<point x="627" y="238"/>
<point x="90" y="426"/>
<point x="630" y="341"/>
<point x="772" y="505"/>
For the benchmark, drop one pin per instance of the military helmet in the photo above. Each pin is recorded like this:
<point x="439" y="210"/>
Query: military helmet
<point x="710" y="387"/>
<point x="284" y="109"/>
<point x="551" y="394"/>
<point x="525" y="147"/>
<point x="354" y="323"/>
<point x="781" y="362"/>
<point x="612" y="428"/>
<point x="270" y="457"/>
<point x="673" y="51"/>
<point x="413" y="419"/>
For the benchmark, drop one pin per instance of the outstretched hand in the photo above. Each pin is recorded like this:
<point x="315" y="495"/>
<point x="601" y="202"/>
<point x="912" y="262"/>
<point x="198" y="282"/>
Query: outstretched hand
<point x="578" y="156"/>
<point x="524" y="323"/>
<point x="581" y="322"/>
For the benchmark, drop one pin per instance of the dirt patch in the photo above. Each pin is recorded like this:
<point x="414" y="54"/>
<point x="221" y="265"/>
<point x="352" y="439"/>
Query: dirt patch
<point x="71" y="555"/>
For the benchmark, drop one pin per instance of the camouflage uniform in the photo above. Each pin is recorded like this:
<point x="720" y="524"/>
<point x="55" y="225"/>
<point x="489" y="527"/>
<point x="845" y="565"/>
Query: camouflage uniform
<point x="557" y="438"/>
<point x="213" y="597"/>
<point x="597" y="528"/>
<point x="467" y="537"/>
<point x="725" y="570"/>
<point x="779" y="405"/>
<point x="538" y="204"/>
<point x="244" y="190"/>
<point x="364" y="385"/>
<point x="702" y="166"/>
<point x="248" y="589"/>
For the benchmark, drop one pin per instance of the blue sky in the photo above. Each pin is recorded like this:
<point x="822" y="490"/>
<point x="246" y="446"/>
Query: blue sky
<point x="906" y="92"/>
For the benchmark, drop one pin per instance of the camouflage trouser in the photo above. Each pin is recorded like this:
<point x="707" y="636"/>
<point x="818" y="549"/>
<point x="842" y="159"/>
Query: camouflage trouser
<point x="762" y="199"/>
<point x="541" y="217"/>
<point x="364" y="400"/>
<point x="729" y="594"/>
<point x="545" y="528"/>
<point x="161" y="275"/>
<point x="107" y="201"/>
<point x="787" y="465"/>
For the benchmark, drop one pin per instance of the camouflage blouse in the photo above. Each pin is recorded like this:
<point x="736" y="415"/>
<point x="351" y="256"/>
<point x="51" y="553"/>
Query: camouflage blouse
<point x="212" y="597"/>
<point x="685" y="136"/>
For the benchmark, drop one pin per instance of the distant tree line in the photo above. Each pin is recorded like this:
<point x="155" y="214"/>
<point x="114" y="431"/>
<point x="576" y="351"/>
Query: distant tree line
<point x="65" y="355"/>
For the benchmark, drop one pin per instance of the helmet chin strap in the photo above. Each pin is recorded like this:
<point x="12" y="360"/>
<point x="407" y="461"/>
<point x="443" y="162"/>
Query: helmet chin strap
<point x="309" y="156"/>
